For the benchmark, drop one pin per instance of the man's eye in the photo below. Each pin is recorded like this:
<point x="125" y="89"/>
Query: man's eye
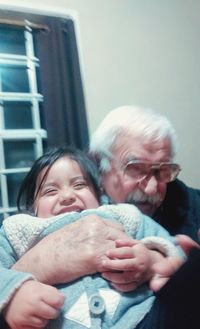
<point x="134" y="169"/>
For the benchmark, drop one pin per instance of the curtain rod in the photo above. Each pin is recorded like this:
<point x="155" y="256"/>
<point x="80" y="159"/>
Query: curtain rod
<point x="25" y="24"/>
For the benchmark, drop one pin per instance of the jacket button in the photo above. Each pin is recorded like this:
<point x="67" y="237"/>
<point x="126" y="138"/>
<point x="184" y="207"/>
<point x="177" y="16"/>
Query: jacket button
<point x="96" y="304"/>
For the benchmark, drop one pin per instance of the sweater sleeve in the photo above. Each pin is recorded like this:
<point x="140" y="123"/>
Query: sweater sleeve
<point x="10" y="280"/>
<point x="154" y="236"/>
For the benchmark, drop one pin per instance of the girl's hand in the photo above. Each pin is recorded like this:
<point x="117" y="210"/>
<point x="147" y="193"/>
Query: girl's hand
<point x="129" y="264"/>
<point x="33" y="305"/>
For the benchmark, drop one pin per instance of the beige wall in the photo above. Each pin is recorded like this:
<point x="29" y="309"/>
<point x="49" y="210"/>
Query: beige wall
<point x="139" y="52"/>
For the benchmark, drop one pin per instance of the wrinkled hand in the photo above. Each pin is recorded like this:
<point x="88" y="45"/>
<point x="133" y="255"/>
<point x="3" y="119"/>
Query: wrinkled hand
<point x="186" y="242"/>
<point x="33" y="305"/>
<point x="71" y="252"/>
<point x="129" y="264"/>
<point x="168" y="266"/>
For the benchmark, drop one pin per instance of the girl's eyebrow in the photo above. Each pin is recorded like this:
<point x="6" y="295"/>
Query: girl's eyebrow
<point x="78" y="177"/>
<point x="47" y="184"/>
<point x="54" y="183"/>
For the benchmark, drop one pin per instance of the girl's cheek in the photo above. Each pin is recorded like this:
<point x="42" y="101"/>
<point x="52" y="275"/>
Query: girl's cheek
<point x="43" y="209"/>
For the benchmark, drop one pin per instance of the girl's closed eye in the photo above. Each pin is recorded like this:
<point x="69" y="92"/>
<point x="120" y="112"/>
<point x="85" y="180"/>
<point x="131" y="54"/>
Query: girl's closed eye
<point x="48" y="191"/>
<point x="79" y="184"/>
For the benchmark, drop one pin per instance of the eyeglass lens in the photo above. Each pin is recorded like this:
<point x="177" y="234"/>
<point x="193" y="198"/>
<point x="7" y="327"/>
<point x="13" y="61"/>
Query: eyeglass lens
<point x="163" y="172"/>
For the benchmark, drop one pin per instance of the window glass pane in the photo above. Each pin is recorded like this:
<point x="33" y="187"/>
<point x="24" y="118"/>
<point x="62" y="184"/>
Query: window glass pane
<point x="12" y="41"/>
<point x="14" y="79"/>
<point x="19" y="154"/>
<point x="17" y="115"/>
<point x="1" y="215"/>
<point x="0" y="198"/>
<point x="14" y="182"/>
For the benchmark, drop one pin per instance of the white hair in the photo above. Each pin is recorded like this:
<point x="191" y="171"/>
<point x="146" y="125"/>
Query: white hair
<point x="125" y="120"/>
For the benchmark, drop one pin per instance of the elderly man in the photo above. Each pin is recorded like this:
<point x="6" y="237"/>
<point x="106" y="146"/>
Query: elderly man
<point x="135" y="150"/>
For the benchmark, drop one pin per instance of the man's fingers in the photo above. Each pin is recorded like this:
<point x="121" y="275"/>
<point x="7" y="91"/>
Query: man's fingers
<point x="126" y="243"/>
<point x="104" y="229"/>
<point x="168" y="266"/>
<point x="157" y="282"/>
<point x="113" y="230"/>
<point x="113" y="224"/>
<point x="186" y="243"/>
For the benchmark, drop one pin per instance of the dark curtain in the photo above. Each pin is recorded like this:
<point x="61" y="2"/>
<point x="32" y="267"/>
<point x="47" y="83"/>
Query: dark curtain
<point x="63" y="110"/>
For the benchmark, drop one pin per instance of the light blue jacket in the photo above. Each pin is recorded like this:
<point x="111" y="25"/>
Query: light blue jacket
<point x="90" y="301"/>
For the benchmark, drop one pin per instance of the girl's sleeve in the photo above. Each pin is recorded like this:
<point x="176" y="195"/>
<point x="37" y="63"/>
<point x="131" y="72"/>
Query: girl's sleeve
<point x="154" y="236"/>
<point x="10" y="280"/>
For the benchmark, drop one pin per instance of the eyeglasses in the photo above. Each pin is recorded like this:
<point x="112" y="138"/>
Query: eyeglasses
<point x="164" y="172"/>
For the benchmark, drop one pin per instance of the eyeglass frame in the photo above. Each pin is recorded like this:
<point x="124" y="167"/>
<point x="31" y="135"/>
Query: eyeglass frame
<point x="153" y="168"/>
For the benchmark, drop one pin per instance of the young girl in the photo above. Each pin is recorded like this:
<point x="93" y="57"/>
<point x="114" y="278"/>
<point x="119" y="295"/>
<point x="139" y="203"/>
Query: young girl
<point x="63" y="187"/>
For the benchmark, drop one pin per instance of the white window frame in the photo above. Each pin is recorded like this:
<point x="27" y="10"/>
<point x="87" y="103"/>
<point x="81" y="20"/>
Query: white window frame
<point x="30" y="62"/>
<point x="37" y="134"/>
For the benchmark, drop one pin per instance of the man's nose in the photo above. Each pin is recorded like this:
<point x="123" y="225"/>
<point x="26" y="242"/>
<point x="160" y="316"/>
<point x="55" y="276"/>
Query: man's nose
<point x="149" y="185"/>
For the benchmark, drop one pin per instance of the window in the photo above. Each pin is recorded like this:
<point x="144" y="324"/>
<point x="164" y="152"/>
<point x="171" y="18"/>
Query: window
<point x="41" y="95"/>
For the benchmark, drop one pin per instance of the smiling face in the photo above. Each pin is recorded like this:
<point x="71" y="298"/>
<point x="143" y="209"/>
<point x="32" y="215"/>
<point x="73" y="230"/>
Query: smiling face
<point x="64" y="189"/>
<point x="147" y="194"/>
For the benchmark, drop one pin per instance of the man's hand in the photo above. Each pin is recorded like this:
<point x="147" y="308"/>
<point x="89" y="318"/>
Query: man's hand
<point x="186" y="242"/>
<point x="71" y="252"/>
<point x="168" y="266"/>
<point x="33" y="305"/>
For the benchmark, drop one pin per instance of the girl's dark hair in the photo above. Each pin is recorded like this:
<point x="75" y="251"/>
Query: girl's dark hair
<point x="27" y="191"/>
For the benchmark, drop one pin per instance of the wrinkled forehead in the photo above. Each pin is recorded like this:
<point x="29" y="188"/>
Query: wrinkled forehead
<point x="128" y="146"/>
